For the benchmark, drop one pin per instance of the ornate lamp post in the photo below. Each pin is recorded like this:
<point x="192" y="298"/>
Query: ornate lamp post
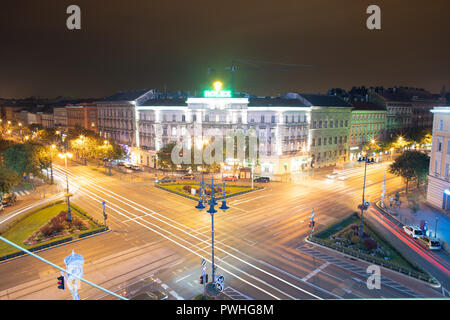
<point x="364" y="205"/>
<point x="212" y="203"/>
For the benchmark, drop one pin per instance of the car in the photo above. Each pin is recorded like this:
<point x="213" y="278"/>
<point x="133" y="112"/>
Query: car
<point x="413" y="231"/>
<point x="135" y="167"/>
<point x="429" y="243"/>
<point x="187" y="177"/>
<point x="166" y="179"/>
<point x="9" y="199"/>
<point x="332" y="175"/>
<point x="2" y="207"/>
<point x="229" y="178"/>
<point x="262" y="179"/>
<point x="342" y="177"/>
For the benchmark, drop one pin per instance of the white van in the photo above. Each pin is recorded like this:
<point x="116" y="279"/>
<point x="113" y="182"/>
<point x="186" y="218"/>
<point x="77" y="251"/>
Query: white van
<point x="413" y="231"/>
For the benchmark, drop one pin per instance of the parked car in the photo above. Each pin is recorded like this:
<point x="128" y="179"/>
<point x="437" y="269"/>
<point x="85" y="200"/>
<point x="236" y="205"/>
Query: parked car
<point x="135" y="167"/>
<point x="262" y="179"/>
<point x="229" y="178"/>
<point x="413" y="231"/>
<point x="167" y="179"/>
<point x="429" y="243"/>
<point x="187" y="177"/>
<point x="342" y="177"/>
<point x="9" y="199"/>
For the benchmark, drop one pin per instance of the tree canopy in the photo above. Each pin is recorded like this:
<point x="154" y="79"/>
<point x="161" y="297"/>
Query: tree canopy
<point x="411" y="164"/>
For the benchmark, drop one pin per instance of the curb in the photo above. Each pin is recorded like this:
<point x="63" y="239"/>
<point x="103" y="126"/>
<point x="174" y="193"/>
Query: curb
<point x="437" y="285"/>
<point x="58" y="245"/>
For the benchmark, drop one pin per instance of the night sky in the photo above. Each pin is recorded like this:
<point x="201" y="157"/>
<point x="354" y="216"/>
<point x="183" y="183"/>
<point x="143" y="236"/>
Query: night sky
<point x="146" y="44"/>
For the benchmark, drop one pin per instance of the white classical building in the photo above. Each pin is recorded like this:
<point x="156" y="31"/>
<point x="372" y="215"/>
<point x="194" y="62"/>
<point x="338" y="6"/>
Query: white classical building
<point x="280" y="124"/>
<point x="144" y="122"/>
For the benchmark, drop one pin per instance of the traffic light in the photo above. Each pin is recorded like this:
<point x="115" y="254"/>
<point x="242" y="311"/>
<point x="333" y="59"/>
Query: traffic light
<point x="312" y="223"/>
<point x="206" y="280"/>
<point x="61" y="282"/>
<point x="201" y="279"/>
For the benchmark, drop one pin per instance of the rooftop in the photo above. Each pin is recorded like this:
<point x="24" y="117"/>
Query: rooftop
<point x="320" y="100"/>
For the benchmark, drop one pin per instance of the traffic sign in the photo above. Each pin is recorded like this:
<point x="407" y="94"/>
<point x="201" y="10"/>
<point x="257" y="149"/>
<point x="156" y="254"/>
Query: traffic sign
<point x="203" y="262"/>
<point x="219" y="286"/>
<point x="220" y="278"/>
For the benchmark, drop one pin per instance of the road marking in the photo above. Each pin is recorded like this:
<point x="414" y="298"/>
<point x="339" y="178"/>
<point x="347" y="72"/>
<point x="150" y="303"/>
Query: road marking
<point x="117" y="196"/>
<point x="312" y="274"/>
<point x="178" y="297"/>
<point x="234" y="293"/>
<point x="242" y="201"/>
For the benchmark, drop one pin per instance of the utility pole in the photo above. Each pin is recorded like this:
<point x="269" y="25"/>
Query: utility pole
<point x="435" y="229"/>
<point x="383" y="189"/>
<point x="104" y="213"/>
<point x="363" y="204"/>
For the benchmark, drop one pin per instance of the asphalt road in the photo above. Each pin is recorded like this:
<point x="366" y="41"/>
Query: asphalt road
<point x="158" y="240"/>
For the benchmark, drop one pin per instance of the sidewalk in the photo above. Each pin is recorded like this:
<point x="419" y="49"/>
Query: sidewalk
<point x="415" y="210"/>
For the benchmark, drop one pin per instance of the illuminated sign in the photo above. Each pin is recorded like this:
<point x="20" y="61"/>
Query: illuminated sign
<point x="217" y="92"/>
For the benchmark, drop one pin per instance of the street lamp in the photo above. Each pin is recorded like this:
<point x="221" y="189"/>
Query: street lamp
<point x="51" y="162"/>
<point x="364" y="205"/>
<point x="212" y="203"/>
<point x="65" y="156"/>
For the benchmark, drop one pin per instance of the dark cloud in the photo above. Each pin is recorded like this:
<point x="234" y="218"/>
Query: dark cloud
<point x="145" y="44"/>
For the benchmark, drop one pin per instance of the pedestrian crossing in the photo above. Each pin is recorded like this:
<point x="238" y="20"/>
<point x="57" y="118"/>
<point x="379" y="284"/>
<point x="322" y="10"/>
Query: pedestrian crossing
<point x="21" y="193"/>
<point x="355" y="269"/>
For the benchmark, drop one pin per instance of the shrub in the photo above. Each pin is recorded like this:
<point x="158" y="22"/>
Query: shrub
<point x="78" y="224"/>
<point x="47" y="230"/>
<point x="370" y="244"/>
<point x="355" y="239"/>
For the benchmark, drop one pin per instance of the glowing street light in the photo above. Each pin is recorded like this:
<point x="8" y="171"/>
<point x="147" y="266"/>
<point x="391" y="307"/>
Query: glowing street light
<point x="65" y="156"/>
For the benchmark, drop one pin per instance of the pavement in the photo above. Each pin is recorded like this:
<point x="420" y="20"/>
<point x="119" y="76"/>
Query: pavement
<point x="159" y="239"/>
<point x="435" y="219"/>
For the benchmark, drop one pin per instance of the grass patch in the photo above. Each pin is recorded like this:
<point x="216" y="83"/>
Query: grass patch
<point x="230" y="190"/>
<point x="29" y="224"/>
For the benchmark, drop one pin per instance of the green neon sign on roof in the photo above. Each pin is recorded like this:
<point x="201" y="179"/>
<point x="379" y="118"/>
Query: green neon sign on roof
<point x="218" y="92"/>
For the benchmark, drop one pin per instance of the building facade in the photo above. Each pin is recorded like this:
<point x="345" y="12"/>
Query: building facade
<point x="329" y="129"/>
<point x="280" y="127"/>
<point x="438" y="192"/>
<point x="83" y="116"/>
<point x="116" y="116"/>
<point x="368" y="121"/>
<point x="60" y="118"/>
<point x="47" y="120"/>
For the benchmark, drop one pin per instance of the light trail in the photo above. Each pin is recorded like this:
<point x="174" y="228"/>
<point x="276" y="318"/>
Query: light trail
<point x="98" y="188"/>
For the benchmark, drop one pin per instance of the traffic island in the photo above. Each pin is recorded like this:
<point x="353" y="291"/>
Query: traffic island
<point x="343" y="236"/>
<point x="211" y="294"/>
<point x="192" y="190"/>
<point x="46" y="227"/>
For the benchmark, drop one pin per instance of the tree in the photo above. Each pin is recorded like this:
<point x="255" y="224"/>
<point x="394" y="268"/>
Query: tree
<point x="26" y="158"/>
<point x="165" y="158"/>
<point x="8" y="179"/>
<point x="411" y="164"/>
